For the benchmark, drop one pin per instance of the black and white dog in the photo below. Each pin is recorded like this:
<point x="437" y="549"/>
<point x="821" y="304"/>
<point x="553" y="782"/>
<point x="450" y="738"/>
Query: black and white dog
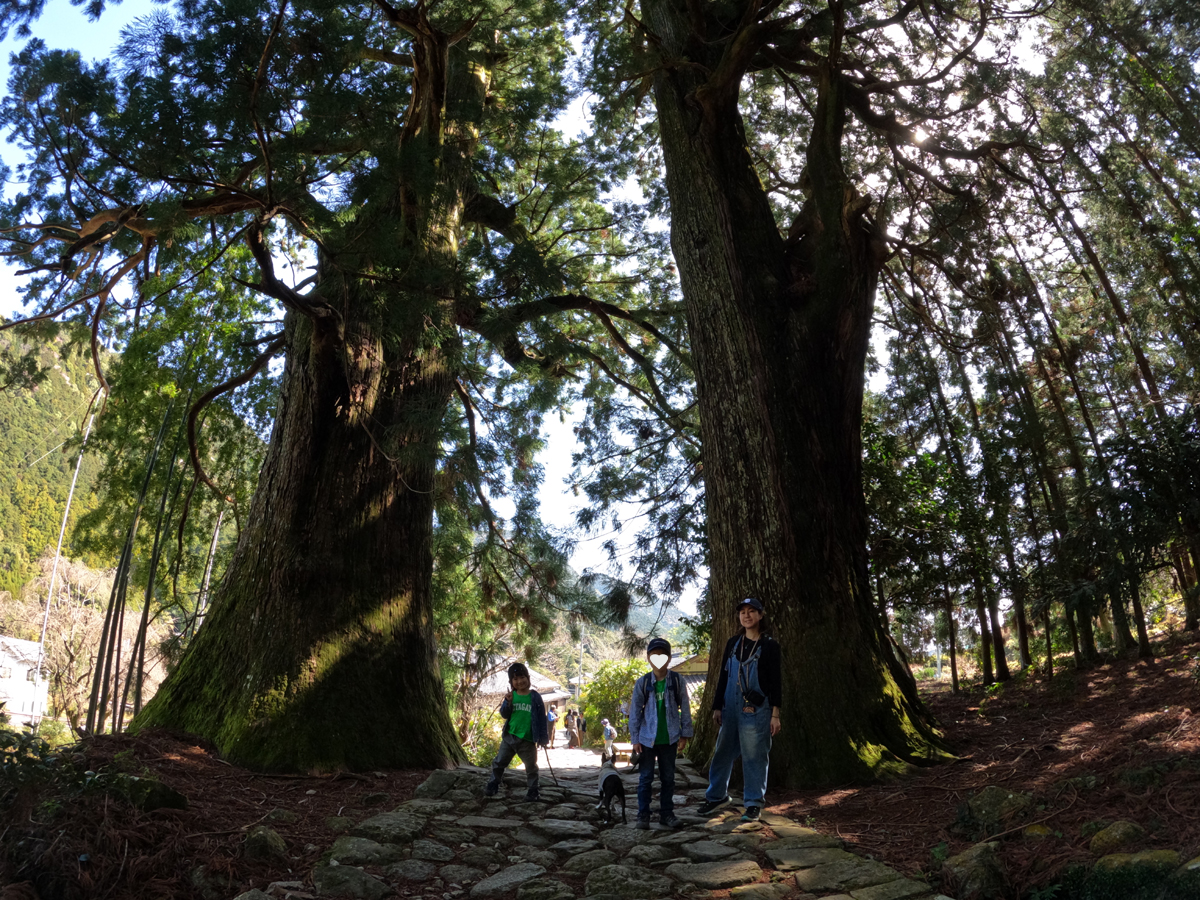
<point x="611" y="788"/>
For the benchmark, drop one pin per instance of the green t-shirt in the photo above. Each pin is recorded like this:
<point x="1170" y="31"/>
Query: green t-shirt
<point x="520" y="723"/>
<point x="660" y="699"/>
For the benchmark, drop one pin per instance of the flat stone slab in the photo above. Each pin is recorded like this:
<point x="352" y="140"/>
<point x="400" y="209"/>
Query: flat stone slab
<point x="583" y="863"/>
<point x="347" y="881"/>
<point x="788" y="859"/>
<point x="506" y="880"/>
<point x="424" y="806"/>
<point x="676" y="837"/>
<point x="389" y="828"/>
<point x="628" y="882"/>
<point x="846" y="875"/>
<point x="527" y="837"/>
<point x="717" y="875"/>
<point x="458" y="874"/>
<point x="761" y="891"/>
<point x="707" y="851"/>
<point x="892" y="890"/>
<point x="431" y="850"/>
<point x="563" y="829"/>
<point x="750" y="841"/>
<point x="623" y="837"/>
<point x="805" y="837"/>
<point x="489" y="822"/>
<point x="482" y="857"/>
<point x="575" y="845"/>
<point x="411" y="870"/>
<point x="648" y="853"/>
<point x="356" y="851"/>
<point x="545" y="889"/>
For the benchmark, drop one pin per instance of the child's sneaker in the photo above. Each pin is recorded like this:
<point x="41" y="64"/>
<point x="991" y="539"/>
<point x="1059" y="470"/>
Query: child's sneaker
<point x="643" y="824"/>
<point x="531" y="797"/>
<point x="671" y="821"/>
<point x="708" y="807"/>
<point x="490" y="789"/>
<point x="751" y="814"/>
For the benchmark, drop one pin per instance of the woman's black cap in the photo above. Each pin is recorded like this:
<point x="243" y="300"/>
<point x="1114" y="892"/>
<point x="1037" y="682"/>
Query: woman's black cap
<point x="752" y="602"/>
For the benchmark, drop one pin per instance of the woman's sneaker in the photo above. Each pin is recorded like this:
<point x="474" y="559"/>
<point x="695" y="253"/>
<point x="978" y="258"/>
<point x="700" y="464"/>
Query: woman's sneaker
<point x="708" y="807"/>
<point x="751" y="814"/>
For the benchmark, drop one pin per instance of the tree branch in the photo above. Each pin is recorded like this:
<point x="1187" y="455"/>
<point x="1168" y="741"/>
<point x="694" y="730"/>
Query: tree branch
<point x="256" y="366"/>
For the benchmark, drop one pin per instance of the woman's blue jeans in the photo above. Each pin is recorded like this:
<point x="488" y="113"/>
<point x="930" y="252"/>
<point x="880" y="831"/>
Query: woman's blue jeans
<point x="747" y="735"/>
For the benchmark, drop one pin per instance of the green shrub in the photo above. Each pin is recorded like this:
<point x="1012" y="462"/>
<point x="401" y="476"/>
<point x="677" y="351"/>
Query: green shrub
<point x="483" y="737"/>
<point x="612" y="686"/>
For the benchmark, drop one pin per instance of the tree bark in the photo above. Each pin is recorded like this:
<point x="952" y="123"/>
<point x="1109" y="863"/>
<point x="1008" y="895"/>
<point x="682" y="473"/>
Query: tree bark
<point x="318" y="650"/>
<point x="779" y="331"/>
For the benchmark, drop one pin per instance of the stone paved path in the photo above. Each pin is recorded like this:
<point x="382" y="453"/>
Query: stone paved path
<point x="452" y="843"/>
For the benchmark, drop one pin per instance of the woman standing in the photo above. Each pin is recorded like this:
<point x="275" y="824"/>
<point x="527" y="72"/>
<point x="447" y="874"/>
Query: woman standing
<point x="746" y="707"/>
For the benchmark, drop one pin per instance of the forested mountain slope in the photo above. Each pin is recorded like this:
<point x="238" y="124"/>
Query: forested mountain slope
<point x="40" y="425"/>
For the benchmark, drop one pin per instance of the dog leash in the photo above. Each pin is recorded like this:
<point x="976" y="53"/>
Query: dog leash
<point x="548" y="766"/>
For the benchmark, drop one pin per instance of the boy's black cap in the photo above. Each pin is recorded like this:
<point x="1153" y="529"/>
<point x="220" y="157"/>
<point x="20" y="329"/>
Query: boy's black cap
<point x="659" y="644"/>
<point x="516" y="670"/>
<point x="752" y="602"/>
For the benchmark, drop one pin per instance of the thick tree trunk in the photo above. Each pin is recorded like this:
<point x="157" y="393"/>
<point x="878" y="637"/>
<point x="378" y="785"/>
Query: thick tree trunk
<point x="317" y="652"/>
<point x="779" y="331"/>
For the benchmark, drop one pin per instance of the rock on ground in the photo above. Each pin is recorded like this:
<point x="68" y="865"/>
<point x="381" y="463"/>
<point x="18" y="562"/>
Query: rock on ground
<point x="348" y="882"/>
<point x="717" y="875"/>
<point x="630" y="882"/>
<point x="506" y="880"/>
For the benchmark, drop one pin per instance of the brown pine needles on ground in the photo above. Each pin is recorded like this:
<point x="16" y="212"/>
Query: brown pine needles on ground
<point x="1120" y="741"/>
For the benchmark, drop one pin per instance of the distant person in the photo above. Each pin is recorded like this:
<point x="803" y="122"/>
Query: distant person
<point x="524" y="731"/>
<point x="572" y="729"/>
<point x="746" y="707"/>
<point x="610" y="735"/>
<point x="552" y="721"/>
<point x="660" y="723"/>
<point x="582" y="730"/>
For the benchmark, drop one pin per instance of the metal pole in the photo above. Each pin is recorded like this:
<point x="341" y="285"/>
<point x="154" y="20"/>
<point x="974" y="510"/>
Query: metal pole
<point x="37" y="672"/>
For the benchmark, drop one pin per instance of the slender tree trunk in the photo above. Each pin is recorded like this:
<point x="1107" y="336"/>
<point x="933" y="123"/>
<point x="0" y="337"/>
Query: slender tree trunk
<point x="985" y="632"/>
<point x="1069" y="617"/>
<point x="1087" y="637"/>
<point x="1191" y="600"/>
<point x="1048" y="625"/>
<point x="779" y="332"/>
<point x="1122" y="636"/>
<point x="1139" y="619"/>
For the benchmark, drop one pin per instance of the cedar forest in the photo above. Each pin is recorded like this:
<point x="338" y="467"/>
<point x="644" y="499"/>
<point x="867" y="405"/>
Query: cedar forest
<point x="333" y="264"/>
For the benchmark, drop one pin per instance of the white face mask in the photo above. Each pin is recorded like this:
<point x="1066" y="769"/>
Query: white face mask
<point x="658" y="660"/>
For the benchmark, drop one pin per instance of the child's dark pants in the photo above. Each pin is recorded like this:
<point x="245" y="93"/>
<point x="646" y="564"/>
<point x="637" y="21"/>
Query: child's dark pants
<point x="510" y="746"/>
<point x="664" y="754"/>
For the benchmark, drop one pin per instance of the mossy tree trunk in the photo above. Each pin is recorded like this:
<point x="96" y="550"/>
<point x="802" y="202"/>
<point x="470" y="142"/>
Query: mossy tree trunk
<point x="318" y="651"/>
<point x="779" y="330"/>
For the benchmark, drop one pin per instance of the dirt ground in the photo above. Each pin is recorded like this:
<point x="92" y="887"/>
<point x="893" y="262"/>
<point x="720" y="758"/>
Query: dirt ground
<point x="1120" y="741"/>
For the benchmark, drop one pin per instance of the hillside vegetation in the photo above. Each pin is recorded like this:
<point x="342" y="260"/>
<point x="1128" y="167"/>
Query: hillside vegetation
<point x="41" y="419"/>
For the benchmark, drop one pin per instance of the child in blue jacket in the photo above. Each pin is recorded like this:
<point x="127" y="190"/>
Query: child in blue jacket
<point x="660" y="723"/>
